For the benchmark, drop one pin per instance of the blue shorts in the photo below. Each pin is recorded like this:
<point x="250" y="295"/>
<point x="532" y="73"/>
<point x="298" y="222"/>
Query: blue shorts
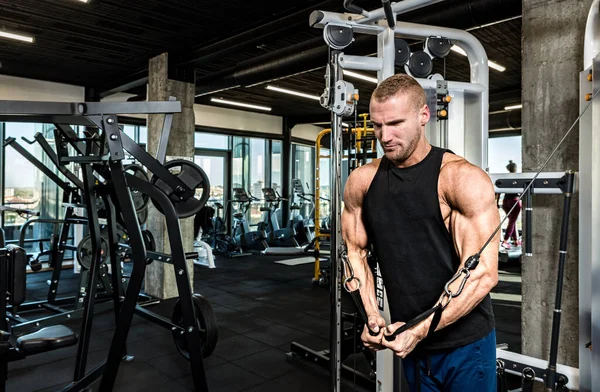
<point x="467" y="368"/>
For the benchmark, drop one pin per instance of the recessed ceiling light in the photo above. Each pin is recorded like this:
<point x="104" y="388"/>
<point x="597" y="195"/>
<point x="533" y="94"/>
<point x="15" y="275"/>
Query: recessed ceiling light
<point x="18" y="37"/>
<point x="292" y="92"/>
<point x="491" y="64"/>
<point x="513" y="107"/>
<point x="360" y="76"/>
<point x="245" y="105"/>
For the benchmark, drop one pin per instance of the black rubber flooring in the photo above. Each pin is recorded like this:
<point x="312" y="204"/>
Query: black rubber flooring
<point x="261" y="308"/>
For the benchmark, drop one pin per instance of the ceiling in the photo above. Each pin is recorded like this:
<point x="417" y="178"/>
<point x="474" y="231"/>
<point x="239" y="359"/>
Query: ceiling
<point x="106" y="44"/>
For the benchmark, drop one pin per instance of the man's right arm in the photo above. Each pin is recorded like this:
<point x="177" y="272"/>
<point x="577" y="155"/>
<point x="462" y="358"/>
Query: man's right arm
<point x="355" y="237"/>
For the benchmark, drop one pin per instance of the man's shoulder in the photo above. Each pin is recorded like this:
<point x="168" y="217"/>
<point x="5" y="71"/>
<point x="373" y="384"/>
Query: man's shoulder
<point x="455" y="167"/>
<point x="363" y="175"/>
<point x="360" y="179"/>
<point x="460" y="179"/>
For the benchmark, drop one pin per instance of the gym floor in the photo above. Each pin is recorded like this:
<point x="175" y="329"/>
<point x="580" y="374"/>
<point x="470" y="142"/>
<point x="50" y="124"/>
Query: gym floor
<point x="261" y="308"/>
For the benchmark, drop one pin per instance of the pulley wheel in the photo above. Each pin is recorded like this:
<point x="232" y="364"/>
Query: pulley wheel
<point x="402" y="52"/>
<point x="206" y="325"/>
<point x="438" y="46"/>
<point x="140" y="200"/>
<point x="420" y="64"/>
<point x="84" y="251"/>
<point x="338" y="37"/>
<point x="191" y="175"/>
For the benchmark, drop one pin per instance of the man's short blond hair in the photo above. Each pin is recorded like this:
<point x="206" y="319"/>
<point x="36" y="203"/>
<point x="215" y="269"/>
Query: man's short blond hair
<point x="400" y="84"/>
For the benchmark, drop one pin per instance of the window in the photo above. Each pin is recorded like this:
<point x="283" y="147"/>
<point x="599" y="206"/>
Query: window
<point x="211" y="141"/>
<point x="142" y="136"/>
<point x="303" y="158"/>
<point x="501" y="150"/>
<point x="240" y="162"/>
<point x="276" y="165"/>
<point x="27" y="187"/>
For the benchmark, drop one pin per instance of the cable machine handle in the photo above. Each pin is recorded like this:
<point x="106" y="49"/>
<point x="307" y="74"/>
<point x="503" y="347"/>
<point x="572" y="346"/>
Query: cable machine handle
<point x="389" y="13"/>
<point x="352" y="8"/>
<point x="528" y="223"/>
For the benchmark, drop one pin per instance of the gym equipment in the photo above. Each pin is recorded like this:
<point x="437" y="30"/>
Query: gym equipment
<point x="13" y="262"/>
<point x="214" y="232"/>
<point x="276" y="235"/>
<point x="72" y="196"/>
<point x="465" y="136"/>
<point x="140" y="201"/>
<point x="241" y="233"/>
<point x="303" y="223"/>
<point x="100" y="156"/>
<point x="206" y="324"/>
<point x="194" y="177"/>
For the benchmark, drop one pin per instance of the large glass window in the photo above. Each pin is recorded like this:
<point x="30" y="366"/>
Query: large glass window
<point x="239" y="158"/>
<point x="324" y="175"/>
<point x="143" y="136"/>
<point x="501" y="150"/>
<point x="276" y="165"/>
<point x="303" y="160"/>
<point x="211" y="141"/>
<point x="25" y="186"/>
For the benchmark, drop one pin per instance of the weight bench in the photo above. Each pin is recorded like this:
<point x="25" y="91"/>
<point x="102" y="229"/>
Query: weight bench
<point x="13" y="262"/>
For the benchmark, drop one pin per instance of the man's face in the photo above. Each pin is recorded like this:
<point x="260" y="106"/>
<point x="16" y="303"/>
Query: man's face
<point x="398" y="125"/>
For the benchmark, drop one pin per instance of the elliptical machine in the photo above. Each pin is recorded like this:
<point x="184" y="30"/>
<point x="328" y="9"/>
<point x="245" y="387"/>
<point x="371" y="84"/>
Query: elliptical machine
<point x="218" y="238"/>
<point x="241" y="233"/>
<point x="276" y="235"/>
<point x="304" y="225"/>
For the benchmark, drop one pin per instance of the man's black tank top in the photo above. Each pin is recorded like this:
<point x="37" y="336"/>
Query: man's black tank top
<point x="415" y="250"/>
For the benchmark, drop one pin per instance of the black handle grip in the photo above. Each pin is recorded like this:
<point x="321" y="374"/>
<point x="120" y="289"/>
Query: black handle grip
<point x="352" y="8"/>
<point x="528" y="223"/>
<point x="411" y="323"/>
<point x="389" y="13"/>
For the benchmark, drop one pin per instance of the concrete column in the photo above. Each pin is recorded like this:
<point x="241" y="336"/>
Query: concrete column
<point x="160" y="278"/>
<point x="552" y="59"/>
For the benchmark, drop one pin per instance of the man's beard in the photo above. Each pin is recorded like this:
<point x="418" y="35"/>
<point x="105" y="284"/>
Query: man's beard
<point x="399" y="156"/>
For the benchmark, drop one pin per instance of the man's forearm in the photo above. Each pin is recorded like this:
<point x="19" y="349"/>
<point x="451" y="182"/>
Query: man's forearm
<point x="363" y="273"/>
<point x="475" y="290"/>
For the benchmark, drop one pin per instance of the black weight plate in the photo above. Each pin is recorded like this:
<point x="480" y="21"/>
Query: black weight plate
<point x="149" y="240"/>
<point x="140" y="200"/>
<point x="84" y="251"/>
<point x="420" y="64"/>
<point x="438" y="46"/>
<point x="195" y="178"/>
<point x="402" y="52"/>
<point x="207" y="326"/>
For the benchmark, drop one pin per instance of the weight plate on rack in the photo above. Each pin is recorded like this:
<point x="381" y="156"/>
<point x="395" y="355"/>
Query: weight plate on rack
<point x="420" y="64"/>
<point x="402" y="52"/>
<point x="206" y="325"/>
<point x="195" y="178"/>
<point x="140" y="200"/>
<point x="84" y="251"/>
<point x="438" y="46"/>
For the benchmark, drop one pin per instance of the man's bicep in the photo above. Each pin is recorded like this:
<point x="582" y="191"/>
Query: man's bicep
<point x="476" y="216"/>
<point x="353" y="229"/>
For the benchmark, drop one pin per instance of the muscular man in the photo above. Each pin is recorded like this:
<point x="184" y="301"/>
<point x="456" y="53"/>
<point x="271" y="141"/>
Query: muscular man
<point x="424" y="211"/>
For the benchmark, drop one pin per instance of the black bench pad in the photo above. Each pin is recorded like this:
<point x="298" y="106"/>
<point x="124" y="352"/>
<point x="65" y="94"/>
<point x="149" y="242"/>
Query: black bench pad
<point x="46" y="339"/>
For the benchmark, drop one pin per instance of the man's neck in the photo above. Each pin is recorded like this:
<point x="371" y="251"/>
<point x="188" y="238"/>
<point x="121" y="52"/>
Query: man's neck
<point x="423" y="148"/>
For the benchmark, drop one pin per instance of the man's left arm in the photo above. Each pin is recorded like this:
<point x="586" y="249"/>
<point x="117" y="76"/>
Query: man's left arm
<point x="471" y="197"/>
